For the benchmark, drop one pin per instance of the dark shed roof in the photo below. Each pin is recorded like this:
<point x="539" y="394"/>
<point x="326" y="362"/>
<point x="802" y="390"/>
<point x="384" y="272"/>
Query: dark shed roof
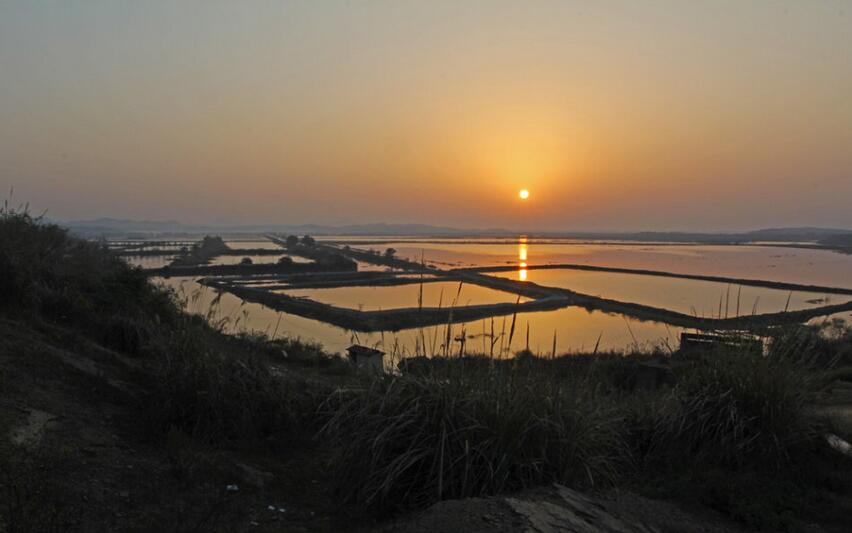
<point x="356" y="350"/>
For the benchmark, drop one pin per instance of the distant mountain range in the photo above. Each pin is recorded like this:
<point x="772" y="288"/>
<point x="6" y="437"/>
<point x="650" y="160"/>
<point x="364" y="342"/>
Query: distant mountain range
<point x="111" y="226"/>
<point x="122" y="227"/>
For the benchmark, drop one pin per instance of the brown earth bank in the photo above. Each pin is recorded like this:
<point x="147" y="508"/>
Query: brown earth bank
<point x="76" y="455"/>
<point x="559" y="508"/>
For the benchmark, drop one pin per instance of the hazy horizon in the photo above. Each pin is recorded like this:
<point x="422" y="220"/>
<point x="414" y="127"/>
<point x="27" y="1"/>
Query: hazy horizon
<point x="374" y="227"/>
<point x="665" y="116"/>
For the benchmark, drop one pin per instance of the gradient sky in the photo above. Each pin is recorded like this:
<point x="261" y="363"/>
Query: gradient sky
<point x="616" y="115"/>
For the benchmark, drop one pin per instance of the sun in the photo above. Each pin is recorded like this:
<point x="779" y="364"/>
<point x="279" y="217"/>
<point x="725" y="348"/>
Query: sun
<point x="523" y="194"/>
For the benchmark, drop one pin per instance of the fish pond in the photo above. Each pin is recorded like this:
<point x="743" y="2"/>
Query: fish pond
<point x="569" y="327"/>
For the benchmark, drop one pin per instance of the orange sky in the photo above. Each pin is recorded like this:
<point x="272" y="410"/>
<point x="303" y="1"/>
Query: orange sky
<point x="615" y="115"/>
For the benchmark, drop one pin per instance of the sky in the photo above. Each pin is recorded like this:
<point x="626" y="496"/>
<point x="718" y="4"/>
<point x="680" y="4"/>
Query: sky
<point x="699" y="116"/>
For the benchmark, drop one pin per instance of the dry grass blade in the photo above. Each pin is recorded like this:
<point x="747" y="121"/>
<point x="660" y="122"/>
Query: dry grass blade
<point x="512" y="328"/>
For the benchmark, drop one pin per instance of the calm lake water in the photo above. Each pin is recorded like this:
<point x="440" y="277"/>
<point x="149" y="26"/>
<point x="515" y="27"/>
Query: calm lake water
<point x="574" y="328"/>
<point x="255" y="259"/>
<point x="693" y="297"/>
<point x="817" y="267"/>
<point x="435" y="294"/>
<point x="259" y="244"/>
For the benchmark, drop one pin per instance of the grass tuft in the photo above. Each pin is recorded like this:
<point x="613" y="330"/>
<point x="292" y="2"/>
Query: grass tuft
<point x="732" y="410"/>
<point x="411" y="441"/>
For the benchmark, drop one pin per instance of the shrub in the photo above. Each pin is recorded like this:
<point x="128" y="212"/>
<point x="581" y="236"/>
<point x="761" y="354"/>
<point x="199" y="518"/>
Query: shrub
<point x="731" y="410"/>
<point x="44" y="271"/>
<point x="408" y="442"/>
<point x="224" y="396"/>
<point x="823" y="345"/>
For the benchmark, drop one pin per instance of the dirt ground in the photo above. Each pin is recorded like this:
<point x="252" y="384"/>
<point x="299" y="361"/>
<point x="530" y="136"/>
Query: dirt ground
<point x="560" y="509"/>
<point x="74" y="458"/>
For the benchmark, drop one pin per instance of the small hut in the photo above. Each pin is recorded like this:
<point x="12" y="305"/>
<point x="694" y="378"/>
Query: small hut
<point x="365" y="358"/>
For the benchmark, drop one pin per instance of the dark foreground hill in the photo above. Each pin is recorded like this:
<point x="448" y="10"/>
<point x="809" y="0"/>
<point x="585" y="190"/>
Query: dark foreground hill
<point x="119" y="412"/>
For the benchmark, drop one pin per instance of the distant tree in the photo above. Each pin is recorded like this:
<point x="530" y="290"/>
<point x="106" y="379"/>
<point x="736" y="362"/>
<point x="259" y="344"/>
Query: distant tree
<point x="246" y="261"/>
<point x="285" y="260"/>
<point x="337" y="262"/>
<point x="292" y="241"/>
<point x="212" y="245"/>
<point x="390" y="252"/>
<point x="307" y="240"/>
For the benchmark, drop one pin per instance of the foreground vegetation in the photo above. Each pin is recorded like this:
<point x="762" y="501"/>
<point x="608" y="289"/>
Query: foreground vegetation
<point x="472" y="427"/>
<point x="742" y="433"/>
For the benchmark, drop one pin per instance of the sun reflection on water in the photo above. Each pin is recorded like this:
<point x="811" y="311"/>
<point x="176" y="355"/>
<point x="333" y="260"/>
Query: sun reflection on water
<point x="522" y="259"/>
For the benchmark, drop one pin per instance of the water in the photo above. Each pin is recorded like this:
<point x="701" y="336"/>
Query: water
<point x="255" y="259"/>
<point x="150" y="261"/>
<point x="435" y="294"/>
<point x="794" y="265"/>
<point x="693" y="297"/>
<point x="370" y="267"/>
<point x="264" y="244"/>
<point x="575" y="328"/>
<point x="242" y="316"/>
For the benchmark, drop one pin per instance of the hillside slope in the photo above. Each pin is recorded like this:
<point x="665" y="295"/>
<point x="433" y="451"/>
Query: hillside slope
<point x="120" y="412"/>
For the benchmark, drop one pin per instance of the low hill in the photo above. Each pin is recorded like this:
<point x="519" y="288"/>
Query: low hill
<point x="121" y="412"/>
<point x="842" y="242"/>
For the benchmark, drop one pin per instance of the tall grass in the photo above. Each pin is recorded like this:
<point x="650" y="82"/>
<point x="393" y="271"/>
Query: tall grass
<point x="473" y="426"/>
<point x="410" y="441"/>
<point x="730" y="410"/>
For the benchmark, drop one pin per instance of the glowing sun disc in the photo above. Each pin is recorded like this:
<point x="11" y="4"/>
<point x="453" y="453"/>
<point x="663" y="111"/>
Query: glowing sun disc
<point x="523" y="194"/>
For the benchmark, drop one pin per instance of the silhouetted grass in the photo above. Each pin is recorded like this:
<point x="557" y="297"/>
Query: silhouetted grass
<point x="730" y="410"/>
<point x="461" y="427"/>
<point x="410" y="441"/>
